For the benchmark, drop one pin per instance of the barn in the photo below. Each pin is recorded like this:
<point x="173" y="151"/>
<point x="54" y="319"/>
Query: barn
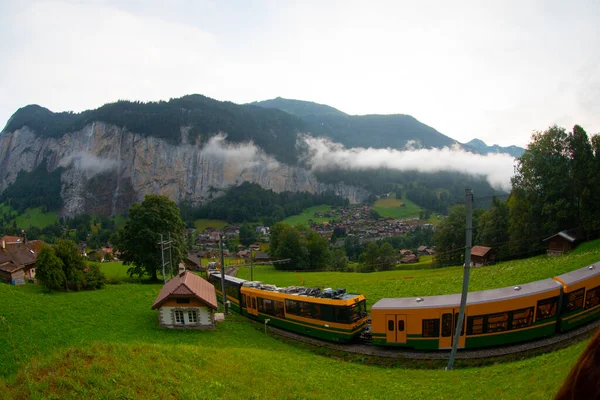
<point x="562" y="242"/>
<point x="186" y="301"/>
<point x="482" y="255"/>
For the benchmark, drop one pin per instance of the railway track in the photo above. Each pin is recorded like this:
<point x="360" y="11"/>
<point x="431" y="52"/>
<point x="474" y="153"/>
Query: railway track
<point x="551" y="343"/>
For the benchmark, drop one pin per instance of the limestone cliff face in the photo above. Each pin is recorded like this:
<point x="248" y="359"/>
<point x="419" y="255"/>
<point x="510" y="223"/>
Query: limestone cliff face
<point x="108" y="168"/>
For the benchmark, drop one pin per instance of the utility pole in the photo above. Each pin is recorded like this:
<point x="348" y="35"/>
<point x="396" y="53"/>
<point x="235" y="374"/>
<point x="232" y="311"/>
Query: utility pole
<point x="223" y="275"/>
<point x="467" y="270"/>
<point x="162" y="255"/>
<point x="170" y="256"/>
<point x="251" y="266"/>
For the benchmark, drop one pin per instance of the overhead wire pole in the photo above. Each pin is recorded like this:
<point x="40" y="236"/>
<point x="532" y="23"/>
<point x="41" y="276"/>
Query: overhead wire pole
<point x="467" y="270"/>
<point x="170" y="255"/>
<point x="162" y="255"/>
<point x="224" y="296"/>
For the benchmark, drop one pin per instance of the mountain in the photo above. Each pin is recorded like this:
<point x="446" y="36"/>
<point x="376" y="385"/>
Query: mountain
<point x="298" y="107"/>
<point x="481" y="147"/>
<point x="378" y="131"/>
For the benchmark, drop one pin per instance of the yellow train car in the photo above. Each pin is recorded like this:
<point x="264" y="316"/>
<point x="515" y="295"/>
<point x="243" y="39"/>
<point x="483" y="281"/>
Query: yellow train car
<point x="581" y="297"/>
<point x="492" y="317"/>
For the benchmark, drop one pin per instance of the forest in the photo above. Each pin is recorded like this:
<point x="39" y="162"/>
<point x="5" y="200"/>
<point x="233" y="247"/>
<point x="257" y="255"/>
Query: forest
<point x="556" y="187"/>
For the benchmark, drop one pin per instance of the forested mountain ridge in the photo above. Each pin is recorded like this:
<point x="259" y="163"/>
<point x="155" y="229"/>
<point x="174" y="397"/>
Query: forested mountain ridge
<point x="378" y="131"/>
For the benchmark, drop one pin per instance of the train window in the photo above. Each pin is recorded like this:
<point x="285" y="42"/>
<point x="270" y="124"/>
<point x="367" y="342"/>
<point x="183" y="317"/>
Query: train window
<point x="522" y="318"/>
<point x="462" y="330"/>
<point x="291" y="307"/>
<point x="401" y="326"/>
<point x="496" y="322"/>
<point x="447" y="325"/>
<point x="592" y="297"/>
<point x="431" y="327"/>
<point x="574" y="300"/>
<point x="278" y="309"/>
<point x="261" y="304"/>
<point x="475" y="325"/>
<point x="327" y="313"/>
<point x="546" y="308"/>
<point x="254" y="303"/>
<point x="391" y="325"/>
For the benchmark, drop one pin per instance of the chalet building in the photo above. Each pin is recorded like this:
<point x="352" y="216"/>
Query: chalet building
<point x="409" y="259"/>
<point x="562" y="242"/>
<point x="481" y="255"/>
<point x="405" y="252"/>
<point x="261" y="256"/>
<point x="18" y="259"/>
<point x="186" y="301"/>
<point x="193" y="262"/>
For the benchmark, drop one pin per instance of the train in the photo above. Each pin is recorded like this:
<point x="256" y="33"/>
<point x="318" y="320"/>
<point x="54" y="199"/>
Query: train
<point x="492" y="317"/>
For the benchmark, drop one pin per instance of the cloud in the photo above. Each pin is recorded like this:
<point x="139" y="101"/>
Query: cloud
<point x="89" y="163"/>
<point x="239" y="155"/>
<point x="323" y="154"/>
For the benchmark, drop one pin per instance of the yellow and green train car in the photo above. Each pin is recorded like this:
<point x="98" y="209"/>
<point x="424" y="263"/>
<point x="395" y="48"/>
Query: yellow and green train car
<point x="581" y="297"/>
<point x="329" y="314"/>
<point x="492" y="317"/>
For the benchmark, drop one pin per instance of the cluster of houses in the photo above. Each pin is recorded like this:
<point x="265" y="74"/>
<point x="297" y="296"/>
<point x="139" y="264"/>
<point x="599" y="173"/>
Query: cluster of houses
<point x="358" y="221"/>
<point x="104" y="254"/>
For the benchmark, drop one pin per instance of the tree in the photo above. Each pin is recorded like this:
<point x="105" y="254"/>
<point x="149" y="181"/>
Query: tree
<point x="339" y="260"/>
<point x="49" y="269"/>
<point x="449" y="238"/>
<point x="73" y="263"/>
<point x="319" y="255"/>
<point x="387" y="258"/>
<point x="247" y="234"/>
<point x="492" y="228"/>
<point x="138" y="241"/>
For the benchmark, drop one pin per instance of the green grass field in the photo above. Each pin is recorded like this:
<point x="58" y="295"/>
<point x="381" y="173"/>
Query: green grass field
<point x="107" y="344"/>
<point x="391" y="207"/>
<point x="307" y="214"/>
<point x="202" y="224"/>
<point x="35" y="217"/>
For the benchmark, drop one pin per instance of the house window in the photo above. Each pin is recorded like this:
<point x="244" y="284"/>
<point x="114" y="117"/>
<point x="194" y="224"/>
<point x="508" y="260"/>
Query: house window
<point x="183" y="301"/>
<point x="179" y="317"/>
<point x="193" y="317"/>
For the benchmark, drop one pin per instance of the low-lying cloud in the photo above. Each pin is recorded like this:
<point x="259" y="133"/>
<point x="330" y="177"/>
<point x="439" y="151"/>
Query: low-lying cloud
<point x="323" y="154"/>
<point x="240" y="155"/>
<point x="90" y="163"/>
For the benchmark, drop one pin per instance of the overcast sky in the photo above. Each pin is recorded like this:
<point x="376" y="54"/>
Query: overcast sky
<point x="469" y="69"/>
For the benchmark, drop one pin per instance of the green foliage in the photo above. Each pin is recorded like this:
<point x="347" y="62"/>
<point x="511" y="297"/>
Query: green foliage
<point x="138" y="241"/>
<point x="72" y="263"/>
<point x="306" y="250"/>
<point x="38" y="188"/>
<point x="492" y="229"/>
<point x="339" y="261"/>
<point x="250" y="202"/>
<point x="374" y="214"/>
<point x="94" y="278"/>
<point x="49" y="269"/>
<point x="247" y="234"/>
<point x="307" y="215"/>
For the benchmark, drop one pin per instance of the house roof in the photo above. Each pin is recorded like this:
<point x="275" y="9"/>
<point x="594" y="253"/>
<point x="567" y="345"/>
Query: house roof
<point x="194" y="259"/>
<point x="480" y="251"/>
<point x="570" y="235"/>
<point x="188" y="284"/>
<point x="19" y="255"/>
<point x="12" y="239"/>
<point x="261" y="255"/>
<point x="422" y="248"/>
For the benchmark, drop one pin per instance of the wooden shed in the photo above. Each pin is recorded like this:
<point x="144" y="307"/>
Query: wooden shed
<point x="562" y="242"/>
<point x="482" y="255"/>
<point x="186" y="301"/>
<point x="18" y="260"/>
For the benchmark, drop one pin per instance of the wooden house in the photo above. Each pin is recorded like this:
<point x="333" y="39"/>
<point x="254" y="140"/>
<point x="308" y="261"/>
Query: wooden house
<point x="186" y="301"/>
<point x="482" y="255"/>
<point x="409" y="259"/>
<point x="261" y="256"/>
<point x="193" y="262"/>
<point x="562" y="242"/>
<point x="18" y="260"/>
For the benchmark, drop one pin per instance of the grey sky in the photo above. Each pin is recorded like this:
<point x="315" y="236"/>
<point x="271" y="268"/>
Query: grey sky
<point x="469" y="69"/>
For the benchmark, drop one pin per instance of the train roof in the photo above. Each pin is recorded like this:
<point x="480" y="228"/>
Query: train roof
<point x="580" y="274"/>
<point x="297" y="291"/>
<point x="453" y="300"/>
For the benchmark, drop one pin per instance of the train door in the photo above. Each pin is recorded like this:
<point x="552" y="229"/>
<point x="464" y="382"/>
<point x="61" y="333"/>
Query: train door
<point x="251" y="307"/>
<point x="448" y="321"/>
<point x="395" y="328"/>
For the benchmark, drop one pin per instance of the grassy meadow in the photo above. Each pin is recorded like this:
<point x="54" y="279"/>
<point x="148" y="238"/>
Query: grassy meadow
<point x="202" y="224"/>
<point x="392" y="207"/>
<point x="308" y="214"/>
<point x="107" y="344"/>
<point x="31" y="217"/>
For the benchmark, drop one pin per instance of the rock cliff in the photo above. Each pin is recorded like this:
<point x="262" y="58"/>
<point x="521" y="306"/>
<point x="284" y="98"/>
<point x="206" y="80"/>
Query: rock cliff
<point x="107" y="168"/>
